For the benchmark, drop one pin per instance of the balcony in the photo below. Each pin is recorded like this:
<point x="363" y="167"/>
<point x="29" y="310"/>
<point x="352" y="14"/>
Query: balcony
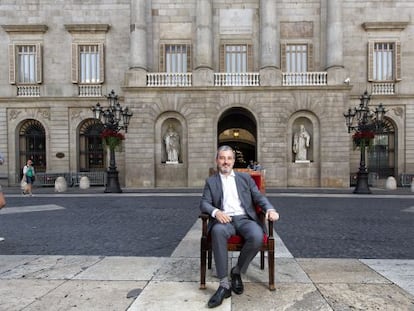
<point x="304" y="78"/>
<point x="90" y="90"/>
<point x="237" y="79"/>
<point x="383" y="88"/>
<point x="169" y="79"/>
<point x="245" y="79"/>
<point x="28" y="90"/>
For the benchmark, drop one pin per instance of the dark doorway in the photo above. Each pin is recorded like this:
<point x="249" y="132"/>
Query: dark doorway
<point x="237" y="128"/>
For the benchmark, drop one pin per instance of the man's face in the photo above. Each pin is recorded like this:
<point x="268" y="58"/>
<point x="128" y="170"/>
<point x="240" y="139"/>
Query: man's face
<point x="225" y="161"/>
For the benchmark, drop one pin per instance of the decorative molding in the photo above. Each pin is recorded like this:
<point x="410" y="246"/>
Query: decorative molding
<point x="87" y="28"/>
<point x="25" y="28"/>
<point x="384" y="26"/>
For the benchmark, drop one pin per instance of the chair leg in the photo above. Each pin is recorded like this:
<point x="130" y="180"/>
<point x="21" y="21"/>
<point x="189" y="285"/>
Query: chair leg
<point x="271" y="261"/>
<point x="210" y="258"/>
<point x="262" y="259"/>
<point x="203" y="255"/>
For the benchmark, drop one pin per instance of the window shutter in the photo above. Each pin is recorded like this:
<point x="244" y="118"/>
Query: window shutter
<point x="75" y="63"/>
<point x="221" y="58"/>
<point x="283" y="56"/>
<point x="397" y="62"/>
<point x="101" y="62"/>
<point x="39" y="63"/>
<point x="162" y="58"/>
<point x="189" y="58"/>
<point x="310" y="58"/>
<point x="12" y="64"/>
<point x="250" y="65"/>
<point x="371" y="60"/>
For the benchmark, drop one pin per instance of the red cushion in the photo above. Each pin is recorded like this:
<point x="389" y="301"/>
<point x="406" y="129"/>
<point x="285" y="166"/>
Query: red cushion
<point x="237" y="239"/>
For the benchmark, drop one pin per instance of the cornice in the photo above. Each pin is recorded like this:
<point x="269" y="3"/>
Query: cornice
<point x="25" y="28"/>
<point x="384" y="26"/>
<point x="87" y="28"/>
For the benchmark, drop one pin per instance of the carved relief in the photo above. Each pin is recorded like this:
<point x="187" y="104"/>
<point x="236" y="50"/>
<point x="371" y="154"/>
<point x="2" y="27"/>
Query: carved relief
<point x="289" y="30"/>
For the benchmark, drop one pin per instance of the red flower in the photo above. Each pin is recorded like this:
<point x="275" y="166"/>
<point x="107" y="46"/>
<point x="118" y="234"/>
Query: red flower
<point x="112" y="138"/>
<point x="363" y="138"/>
<point x="111" y="133"/>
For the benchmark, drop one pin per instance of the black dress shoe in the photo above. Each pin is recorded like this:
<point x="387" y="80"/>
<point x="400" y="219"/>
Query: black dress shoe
<point x="219" y="296"/>
<point x="236" y="283"/>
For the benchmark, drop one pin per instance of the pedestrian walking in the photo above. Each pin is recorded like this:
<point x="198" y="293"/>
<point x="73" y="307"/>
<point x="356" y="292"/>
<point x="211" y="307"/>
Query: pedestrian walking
<point x="29" y="177"/>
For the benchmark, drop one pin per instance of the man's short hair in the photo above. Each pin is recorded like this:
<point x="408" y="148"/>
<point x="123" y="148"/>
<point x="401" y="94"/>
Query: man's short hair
<point x="224" y="148"/>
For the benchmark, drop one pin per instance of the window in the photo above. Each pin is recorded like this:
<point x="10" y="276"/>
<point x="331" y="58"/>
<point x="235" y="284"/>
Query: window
<point x="236" y="58"/>
<point x="87" y="63"/>
<point x="175" y="58"/>
<point x="25" y="64"/>
<point x="384" y="61"/>
<point x="297" y="57"/>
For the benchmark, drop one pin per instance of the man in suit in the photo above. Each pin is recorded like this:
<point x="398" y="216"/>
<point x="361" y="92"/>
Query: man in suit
<point x="229" y="197"/>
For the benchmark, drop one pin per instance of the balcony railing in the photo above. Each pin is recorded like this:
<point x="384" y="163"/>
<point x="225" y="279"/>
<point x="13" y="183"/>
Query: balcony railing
<point x="237" y="79"/>
<point x="304" y="78"/>
<point x="90" y="90"/>
<point x="159" y="79"/>
<point x="383" y="88"/>
<point x="28" y="90"/>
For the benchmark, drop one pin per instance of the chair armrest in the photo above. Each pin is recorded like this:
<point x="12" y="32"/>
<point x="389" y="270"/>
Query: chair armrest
<point x="270" y="223"/>
<point x="205" y="218"/>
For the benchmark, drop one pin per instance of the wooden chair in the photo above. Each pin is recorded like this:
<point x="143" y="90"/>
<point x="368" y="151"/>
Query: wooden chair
<point x="235" y="242"/>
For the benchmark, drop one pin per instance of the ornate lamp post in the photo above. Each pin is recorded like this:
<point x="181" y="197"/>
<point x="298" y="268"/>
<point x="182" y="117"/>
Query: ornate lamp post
<point x="365" y="123"/>
<point x="114" y="119"/>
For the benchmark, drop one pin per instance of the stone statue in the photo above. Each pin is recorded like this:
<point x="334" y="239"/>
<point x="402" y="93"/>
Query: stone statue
<point x="301" y="142"/>
<point x="172" y="145"/>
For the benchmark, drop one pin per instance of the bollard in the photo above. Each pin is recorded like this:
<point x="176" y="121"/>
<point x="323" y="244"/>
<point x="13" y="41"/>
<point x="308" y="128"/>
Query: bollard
<point x="84" y="182"/>
<point x="391" y="183"/>
<point x="60" y="184"/>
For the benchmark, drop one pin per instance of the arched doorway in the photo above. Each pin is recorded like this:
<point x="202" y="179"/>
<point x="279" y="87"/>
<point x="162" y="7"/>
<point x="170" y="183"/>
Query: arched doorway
<point x="237" y="128"/>
<point x="91" y="151"/>
<point x="381" y="155"/>
<point x="32" y="145"/>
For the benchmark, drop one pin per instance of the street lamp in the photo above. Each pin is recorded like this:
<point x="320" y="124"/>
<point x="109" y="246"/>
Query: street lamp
<point x="114" y="119"/>
<point x="365" y="123"/>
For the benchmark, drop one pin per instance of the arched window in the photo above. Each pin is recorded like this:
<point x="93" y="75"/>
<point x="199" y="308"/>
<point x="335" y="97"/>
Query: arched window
<point x="381" y="156"/>
<point x="32" y="145"/>
<point x="91" y="151"/>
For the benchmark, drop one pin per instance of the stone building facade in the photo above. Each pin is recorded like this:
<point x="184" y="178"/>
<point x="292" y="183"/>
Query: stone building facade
<point x="243" y="73"/>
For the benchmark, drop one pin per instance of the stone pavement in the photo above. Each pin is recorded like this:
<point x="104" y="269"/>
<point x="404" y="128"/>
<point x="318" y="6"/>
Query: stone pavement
<point x="32" y="282"/>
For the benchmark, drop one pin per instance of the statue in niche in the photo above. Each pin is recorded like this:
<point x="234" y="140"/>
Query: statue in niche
<point x="301" y="143"/>
<point x="172" y="145"/>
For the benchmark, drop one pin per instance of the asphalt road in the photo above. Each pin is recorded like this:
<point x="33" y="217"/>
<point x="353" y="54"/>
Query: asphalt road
<point x="325" y="227"/>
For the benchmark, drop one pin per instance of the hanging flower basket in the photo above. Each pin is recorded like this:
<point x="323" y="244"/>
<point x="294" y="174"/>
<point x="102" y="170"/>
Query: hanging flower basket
<point x="363" y="138"/>
<point x="111" y="138"/>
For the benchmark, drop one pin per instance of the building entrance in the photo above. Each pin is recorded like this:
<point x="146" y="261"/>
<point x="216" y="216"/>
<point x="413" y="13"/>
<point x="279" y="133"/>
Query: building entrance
<point x="237" y="128"/>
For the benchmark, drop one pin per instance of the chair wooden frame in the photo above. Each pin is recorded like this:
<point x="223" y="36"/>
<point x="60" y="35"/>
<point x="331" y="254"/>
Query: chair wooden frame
<point x="235" y="243"/>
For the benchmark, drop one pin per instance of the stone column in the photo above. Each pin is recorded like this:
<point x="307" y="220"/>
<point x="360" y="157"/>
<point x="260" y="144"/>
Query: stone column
<point x="334" y="43"/>
<point x="136" y="75"/>
<point x="270" y="73"/>
<point x="203" y="74"/>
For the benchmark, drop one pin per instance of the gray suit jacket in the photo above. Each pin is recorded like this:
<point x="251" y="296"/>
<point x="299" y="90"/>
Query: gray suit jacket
<point x="249" y="196"/>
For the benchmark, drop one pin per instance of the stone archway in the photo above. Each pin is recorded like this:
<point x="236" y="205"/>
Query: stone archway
<point x="237" y="128"/>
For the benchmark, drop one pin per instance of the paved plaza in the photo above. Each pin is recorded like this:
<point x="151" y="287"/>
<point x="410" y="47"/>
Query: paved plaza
<point x="140" y="251"/>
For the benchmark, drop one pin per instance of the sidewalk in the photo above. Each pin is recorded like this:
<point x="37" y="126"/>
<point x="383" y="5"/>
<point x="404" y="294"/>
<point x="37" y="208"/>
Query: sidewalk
<point x="142" y="283"/>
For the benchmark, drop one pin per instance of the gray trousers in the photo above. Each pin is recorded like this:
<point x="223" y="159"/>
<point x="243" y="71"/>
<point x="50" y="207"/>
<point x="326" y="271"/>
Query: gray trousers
<point x="252" y="233"/>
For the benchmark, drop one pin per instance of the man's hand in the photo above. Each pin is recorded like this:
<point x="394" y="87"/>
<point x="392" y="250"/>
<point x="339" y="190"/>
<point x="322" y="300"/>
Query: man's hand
<point x="223" y="217"/>
<point x="272" y="215"/>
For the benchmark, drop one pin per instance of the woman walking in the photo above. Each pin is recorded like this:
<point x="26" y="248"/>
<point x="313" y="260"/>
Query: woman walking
<point x="28" y="175"/>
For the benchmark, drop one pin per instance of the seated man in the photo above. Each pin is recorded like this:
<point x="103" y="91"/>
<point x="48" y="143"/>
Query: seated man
<point x="229" y="197"/>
